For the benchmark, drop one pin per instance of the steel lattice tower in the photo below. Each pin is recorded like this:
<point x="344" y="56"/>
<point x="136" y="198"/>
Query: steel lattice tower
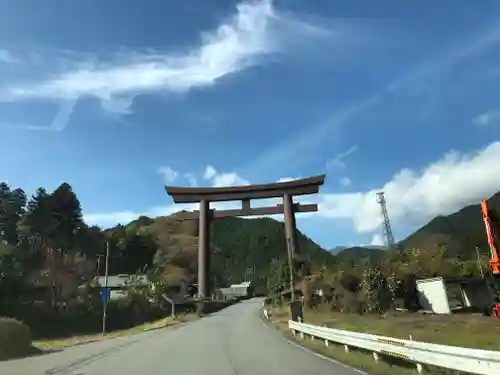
<point x="385" y="217"/>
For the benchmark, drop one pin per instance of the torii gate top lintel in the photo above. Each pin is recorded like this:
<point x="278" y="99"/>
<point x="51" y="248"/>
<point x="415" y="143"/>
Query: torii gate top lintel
<point x="303" y="186"/>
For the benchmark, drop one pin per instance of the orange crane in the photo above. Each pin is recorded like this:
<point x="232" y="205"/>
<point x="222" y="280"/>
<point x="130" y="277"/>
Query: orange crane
<point x="492" y="225"/>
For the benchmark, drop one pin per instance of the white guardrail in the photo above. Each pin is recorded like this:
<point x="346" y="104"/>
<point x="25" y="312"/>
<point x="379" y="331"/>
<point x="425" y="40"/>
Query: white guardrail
<point x="475" y="361"/>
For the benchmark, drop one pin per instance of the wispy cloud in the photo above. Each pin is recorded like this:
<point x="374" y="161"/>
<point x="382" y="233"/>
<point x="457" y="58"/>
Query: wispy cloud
<point x="338" y="161"/>
<point x="345" y="181"/>
<point x="169" y="175"/>
<point x="210" y="172"/>
<point x="310" y="140"/>
<point x="240" y="42"/>
<point x="8" y="57"/>
<point x="486" y="118"/>
<point x="191" y="178"/>
<point x="59" y="122"/>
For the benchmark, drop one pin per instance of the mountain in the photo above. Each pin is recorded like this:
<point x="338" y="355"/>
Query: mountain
<point x="337" y="249"/>
<point x="239" y="247"/>
<point x="461" y="231"/>
<point x="243" y="248"/>
<point x="355" y="254"/>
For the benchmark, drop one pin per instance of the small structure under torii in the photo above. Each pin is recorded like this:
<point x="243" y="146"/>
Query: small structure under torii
<point x="204" y="195"/>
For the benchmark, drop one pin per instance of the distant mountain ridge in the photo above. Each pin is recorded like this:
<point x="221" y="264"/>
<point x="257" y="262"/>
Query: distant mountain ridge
<point x="460" y="232"/>
<point x="338" y="249"/>
<point x="241" y="245"/>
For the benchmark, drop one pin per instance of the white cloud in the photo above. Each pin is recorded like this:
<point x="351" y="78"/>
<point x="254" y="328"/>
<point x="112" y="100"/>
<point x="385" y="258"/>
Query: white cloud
<point x="338" y="161"/>
<point x="168" y="174"/>
<point x="486" y="118"/>
<point x="224" y="179"/>
<point x="108" y="219"/>
<point x="238" y="43"/>
<point x="217" y="179"/>
<point x="8" y="57"/>
<point x="193" y="181"/>
<point x="228" y="179"/>
<point x="288" y="179"/>
<point x="345" y="181"/>
<point x="210" y="172"/>
<point x="441" y="188"/>
<point x="377" y="240"/>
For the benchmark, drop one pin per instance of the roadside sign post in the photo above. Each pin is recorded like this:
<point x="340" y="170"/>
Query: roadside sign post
<point x="105" y="291"/>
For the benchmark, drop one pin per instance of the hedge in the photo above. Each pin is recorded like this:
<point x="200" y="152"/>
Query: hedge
<point x="15" y="338"/>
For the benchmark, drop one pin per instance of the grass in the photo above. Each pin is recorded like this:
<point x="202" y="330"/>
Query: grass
<point x="461" y="329"/>
<point x="458" y="330"/>
<point x="82" y="339"/>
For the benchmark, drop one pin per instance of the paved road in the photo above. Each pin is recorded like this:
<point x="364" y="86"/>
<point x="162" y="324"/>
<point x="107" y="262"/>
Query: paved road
<point x="231" y="342"/>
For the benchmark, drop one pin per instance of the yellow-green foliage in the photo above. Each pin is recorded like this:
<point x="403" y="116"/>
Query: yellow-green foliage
<point x="15" y="338"/>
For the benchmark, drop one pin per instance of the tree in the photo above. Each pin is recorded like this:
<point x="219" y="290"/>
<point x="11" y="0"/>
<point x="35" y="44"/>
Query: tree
<point x="12" y="204"/>
<point x="37" y="221"/>
<point x="66" y="214"/>
<point x="350" y="282"/>
<point x="377" y="293"/>
<point x="54" y="226"/>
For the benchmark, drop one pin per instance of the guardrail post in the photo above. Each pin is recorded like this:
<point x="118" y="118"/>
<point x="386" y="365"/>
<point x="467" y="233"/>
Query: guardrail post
<point x="375" y="356"/>
<point x="346" y="348"/>
<point x="312" y="338"/>
<point x="419" y="366"/>
<point x="301" y="335"/>
<point x="326" y="342"/>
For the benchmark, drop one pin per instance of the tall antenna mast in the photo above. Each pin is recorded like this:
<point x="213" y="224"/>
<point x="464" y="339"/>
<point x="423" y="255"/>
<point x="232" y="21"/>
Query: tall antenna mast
<point x="385" y="217"/>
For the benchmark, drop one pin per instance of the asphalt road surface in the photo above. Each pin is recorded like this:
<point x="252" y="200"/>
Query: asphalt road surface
<point x="233" y="341"/>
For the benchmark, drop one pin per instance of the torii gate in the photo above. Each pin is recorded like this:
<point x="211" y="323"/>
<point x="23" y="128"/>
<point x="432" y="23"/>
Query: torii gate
<point x="204" y="195"/>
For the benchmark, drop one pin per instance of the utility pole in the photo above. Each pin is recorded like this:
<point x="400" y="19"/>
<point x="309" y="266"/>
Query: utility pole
<point x="105" y="290"/>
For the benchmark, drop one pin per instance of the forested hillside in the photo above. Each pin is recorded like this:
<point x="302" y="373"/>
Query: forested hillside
<point x="460" y="232"/>
<point x="46" y="242"/>
<point x="239" y="248"/>
<point x="49" y="255"/>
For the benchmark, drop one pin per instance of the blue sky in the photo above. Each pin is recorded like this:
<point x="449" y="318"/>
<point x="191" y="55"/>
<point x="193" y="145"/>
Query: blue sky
<point x="388" y="95"/>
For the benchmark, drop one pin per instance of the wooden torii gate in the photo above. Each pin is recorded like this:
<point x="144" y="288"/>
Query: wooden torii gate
<point x="204" y="195"/>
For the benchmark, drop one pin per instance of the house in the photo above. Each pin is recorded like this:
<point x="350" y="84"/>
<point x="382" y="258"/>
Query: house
<point x="118" y="283"/>
<point x="242" y="290"/>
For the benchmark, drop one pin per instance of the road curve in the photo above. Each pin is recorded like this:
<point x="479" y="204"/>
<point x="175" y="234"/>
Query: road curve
<point x="233" y="341"/>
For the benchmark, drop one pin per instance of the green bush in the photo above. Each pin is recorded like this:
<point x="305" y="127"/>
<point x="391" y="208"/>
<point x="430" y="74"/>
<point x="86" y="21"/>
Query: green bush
<point x="46" y="322"/>
<point x="15" y="338"/>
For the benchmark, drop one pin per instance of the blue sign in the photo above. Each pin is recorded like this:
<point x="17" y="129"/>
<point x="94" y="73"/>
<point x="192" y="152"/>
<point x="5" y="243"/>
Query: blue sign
<point x="105" y="292"/>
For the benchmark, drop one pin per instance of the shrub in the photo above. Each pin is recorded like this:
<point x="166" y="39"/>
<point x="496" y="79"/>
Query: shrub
<point x="15" y="338"/>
